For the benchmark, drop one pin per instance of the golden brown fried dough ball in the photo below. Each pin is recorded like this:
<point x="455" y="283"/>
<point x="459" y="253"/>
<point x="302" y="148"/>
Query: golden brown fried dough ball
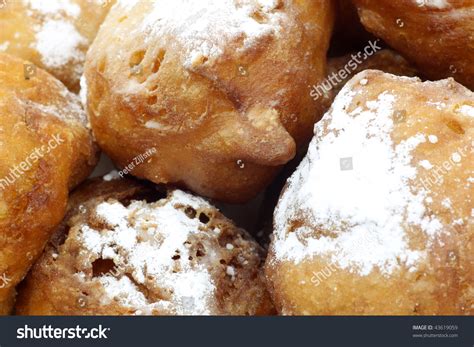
<point x="378" y="218"/>
<point x="53" y="34"/>
<point x="45" y="150"/>
<point x="218" y="87"/>
<point x="125" y="250"/>
<point x="436" y="35"/>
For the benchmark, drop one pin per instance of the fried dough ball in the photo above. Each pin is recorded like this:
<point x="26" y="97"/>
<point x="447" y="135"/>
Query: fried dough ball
<point x="378" y="218"/>
<point x="385" y="60"/>
<point x="438" y="36"/>
<point x="53" y="34"/>
<point x="125" y="249"/>
<point x="218" y="87"/>
<point x="45" y="150"/>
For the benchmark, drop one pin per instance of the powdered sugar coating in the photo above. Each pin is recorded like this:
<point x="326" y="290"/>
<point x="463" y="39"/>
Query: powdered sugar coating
<point x="150" y="241"/>
<point x="438" y="4"/>
<point x="205" y="28"/>
<point x="366" y="208"/>
<point x="4" y="46"/>
<point x="126" y="4"/>
<point x="467" y="110"/>
<point x="83" y="90"/>
<point x="58" y="43"/>
<point x="54" y="7"/>
<point x="57" y="39"/>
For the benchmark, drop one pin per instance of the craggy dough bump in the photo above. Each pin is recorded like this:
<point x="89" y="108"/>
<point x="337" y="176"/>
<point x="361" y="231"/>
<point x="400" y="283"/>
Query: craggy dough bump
<point x="37" y="115"/>
<point x="436" y="35"/>
<point x="221" y="91"/>
<point x="126" y="249"/>
<point x="53" y="34"/>
<point x="378" y="219"/>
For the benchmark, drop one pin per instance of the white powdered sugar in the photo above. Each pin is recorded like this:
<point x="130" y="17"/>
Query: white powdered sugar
<point x="151" y="124"/>
<point x="112" y="175"/>
<point x="150" y="243"/>
<point x="446" y="202"/>
<point x="4" y="46"/>
<point x="46" y="7"/>
<point x="58" y="43"/>
<point x="204" y="28"/>
<point x="56" y="38"/>
<point x="354" y="183"/>
<point x="467" y="110"/>
<point x="83" y="90"/>
<point x="439" y="4"/>
<point x="426" y="164"/>
<point x="127" y="5"/>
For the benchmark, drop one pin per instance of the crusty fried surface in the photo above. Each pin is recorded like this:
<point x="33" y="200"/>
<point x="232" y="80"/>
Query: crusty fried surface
<point x="33" y="196"/>
<point x="73" y="279"/>
<point x="438" y="280"/>
<point x="67" y="30"/>
<point x="222" y="123"/>
<point x="385" y="60"/>
<point x="436" y="36"/>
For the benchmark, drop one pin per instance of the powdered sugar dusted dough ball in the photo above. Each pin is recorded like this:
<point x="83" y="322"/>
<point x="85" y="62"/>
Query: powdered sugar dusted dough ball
<point x="210" y="85"/>
<point x="53" y="34"/>
<point x="117" y="254"/>
<point x="378" y="218"/>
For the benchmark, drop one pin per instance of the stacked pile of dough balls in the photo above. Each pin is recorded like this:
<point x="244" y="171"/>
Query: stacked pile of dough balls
<point x="218" y="102"/>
